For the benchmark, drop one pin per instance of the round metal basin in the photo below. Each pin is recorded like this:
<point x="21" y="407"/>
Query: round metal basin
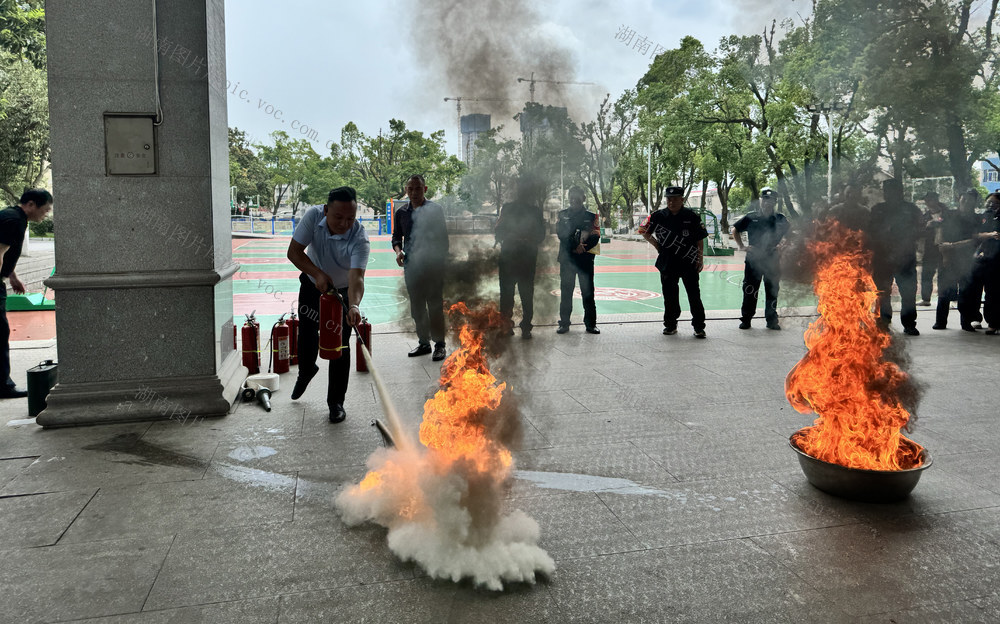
<point x="871" y="486"/>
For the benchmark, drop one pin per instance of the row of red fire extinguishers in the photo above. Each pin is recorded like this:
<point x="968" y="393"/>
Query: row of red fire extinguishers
<point x="284" y="339"/>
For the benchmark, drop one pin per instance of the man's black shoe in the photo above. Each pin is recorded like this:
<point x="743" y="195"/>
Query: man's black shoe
<point x="699" y="333"/>
<point x="744" y="324"/>
<point x="969" y="328"/>
<point x="924" y="303"/>
<point x="422" y="349"/>
<point x="593" y="330"/>
<point x="562" y="329"/>
<point x="526" y="334"/>
<point x="302" y="382"/>
<point x="774" y="325"/>
<point x="911" y="331"/>
<point x="439" y="353"/>
<point x="13" y="393"/>
<point x="939" y="326"/>
<point x="669" y="331"/>
<point x="337" y="413"/>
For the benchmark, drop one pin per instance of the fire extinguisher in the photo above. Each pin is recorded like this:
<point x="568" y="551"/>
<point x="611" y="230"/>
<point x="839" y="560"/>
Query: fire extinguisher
<point x="234" y="337"/>
<point x="293" y="339"/>
<point x="280" y="344"/>
<point x="364" y="338"/>
<point x="251" y="344"/>
<point x="331" y="325"/>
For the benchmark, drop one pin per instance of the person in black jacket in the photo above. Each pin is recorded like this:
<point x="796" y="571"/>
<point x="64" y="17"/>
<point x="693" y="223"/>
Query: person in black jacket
<point x="33" y="206"/>
<point x="985" y="279"/>
<point x="519" y="231"/>
<point x="896" y="226"/>
<point x="578" y="234"/>
<point x="955" y="244"/>
<point x="420" y="240"/>
<point x="677" y="233"/>
<point x="764" y="229"/>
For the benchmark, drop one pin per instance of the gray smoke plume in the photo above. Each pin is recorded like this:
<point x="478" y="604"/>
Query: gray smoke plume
<point x="479" y="49"/>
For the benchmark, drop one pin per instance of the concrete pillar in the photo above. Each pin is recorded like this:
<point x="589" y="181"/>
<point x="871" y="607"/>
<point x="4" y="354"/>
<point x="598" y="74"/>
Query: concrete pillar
<point x="144" y="267"/>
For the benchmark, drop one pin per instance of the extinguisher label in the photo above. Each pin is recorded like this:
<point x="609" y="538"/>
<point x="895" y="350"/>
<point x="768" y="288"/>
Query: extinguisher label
<point x="283" y="350"/>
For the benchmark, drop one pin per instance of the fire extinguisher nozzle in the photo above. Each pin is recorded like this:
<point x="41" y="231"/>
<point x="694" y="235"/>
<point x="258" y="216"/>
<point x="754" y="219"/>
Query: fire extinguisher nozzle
<point x="264" y="398"/>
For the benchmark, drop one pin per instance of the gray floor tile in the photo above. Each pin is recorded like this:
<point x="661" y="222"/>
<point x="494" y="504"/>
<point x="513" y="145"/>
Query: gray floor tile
<point x="222" y="564"/>
<point x="966" y="612"/>
<point x="36" y="440"/>
<point x="893" y="565"/>
<point x="39" y="520"/>
<point x="10" y="468"/>
<point x="692" y="456"/>
<point x="263" y="611"/>
<point x="76" y="581"/>
<point x="706" y="511"/>
<point x="622" y="460"/>
<point x="718" y="582"/>
<point x="608" y="427"/>
<point x="577" y="525"/>
<point x="75" y="470"/>
<point x="179" y="507"/>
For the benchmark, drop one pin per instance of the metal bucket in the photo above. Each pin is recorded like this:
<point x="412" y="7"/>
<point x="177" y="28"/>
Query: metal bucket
<point x="870" y="486"/>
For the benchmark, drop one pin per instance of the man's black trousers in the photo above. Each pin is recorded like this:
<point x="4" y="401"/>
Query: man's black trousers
<point x="340" y="369"/>
<point x="767" y="269"/>
<point x="579" y="266"/>
<point x="688" y="274"/>
<point x="425" y="287"/>
<point x="517" y="268"/>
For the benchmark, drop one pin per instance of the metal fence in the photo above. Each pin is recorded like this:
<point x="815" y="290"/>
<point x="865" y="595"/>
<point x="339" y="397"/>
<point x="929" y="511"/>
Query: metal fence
<point x="285" y="226"/>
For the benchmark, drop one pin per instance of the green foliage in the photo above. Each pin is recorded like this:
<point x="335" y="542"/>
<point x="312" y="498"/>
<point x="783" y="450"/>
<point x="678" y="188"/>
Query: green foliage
<point x="285" y="163"/>
<point x="606" y="142"/>
<point x="24" y="126"/>
<point x="378" y="166"/>
<point x="491" y="178"/>
<point x="246" y="170"/>
<point x="550" y="145"/>
<point x="22" y="30"/>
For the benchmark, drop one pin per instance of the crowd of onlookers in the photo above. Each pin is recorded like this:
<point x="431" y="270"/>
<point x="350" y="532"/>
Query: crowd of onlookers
<point x="959" y="245"/>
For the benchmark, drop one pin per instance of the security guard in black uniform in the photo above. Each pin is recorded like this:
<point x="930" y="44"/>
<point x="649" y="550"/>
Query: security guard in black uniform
<point x="764" y="229"/>
<point x="520" y="229"/>
<point x="896" y="227"/>
<point x="578" y="234"/>
<point x="676" y="233"/>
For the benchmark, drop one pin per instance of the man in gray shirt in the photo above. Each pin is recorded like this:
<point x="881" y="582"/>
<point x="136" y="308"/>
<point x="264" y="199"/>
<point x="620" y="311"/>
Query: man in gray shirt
<point x="331" y="248"/>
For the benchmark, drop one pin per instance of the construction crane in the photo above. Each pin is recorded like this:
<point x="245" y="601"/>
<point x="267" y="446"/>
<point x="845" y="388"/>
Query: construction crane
<point x="531" y="84"/>
<point x="458" y="106"/>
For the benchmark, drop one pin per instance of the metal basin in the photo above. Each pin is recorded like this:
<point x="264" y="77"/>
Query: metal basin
<point x="871" y="486"/>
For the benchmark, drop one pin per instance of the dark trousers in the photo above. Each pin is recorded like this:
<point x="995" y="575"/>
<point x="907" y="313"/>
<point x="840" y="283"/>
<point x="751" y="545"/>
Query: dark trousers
<point x="931" y="264"/>
<point x="340" y="369"/>
<point x="768" y="270"/>
<point x="4" y="341"/>
<point x="425" y="287"/>
<point x="582" y="267"/>
<point x="948" y="291"/>
<point x="517" y="268"/>
<point x="671" y="296"/>
<point x="985" y="279"/>
<point x="905" y="275"/>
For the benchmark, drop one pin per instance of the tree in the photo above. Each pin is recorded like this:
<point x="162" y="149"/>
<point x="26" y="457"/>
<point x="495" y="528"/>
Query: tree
<point x="285" y="163"/>
<point x="24" y="129"/>
<point x="246" y="170"/>
<point x="377" y="166"/>
<point x="494" y="169"/>
<point x="22" y="30"/>
<point x="550" y="146"/>
<point x="320" y="176"/>
<point x="605" y="141"/>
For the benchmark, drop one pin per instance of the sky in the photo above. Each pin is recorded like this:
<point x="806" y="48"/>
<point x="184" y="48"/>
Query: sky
<point x="319" y="65"/>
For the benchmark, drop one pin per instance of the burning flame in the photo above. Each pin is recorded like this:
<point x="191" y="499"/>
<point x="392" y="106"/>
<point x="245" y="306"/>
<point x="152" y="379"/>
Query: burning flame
<point x="453" y="426"/>
<point x="442" y="501"/>
<point x="844" y="378"/>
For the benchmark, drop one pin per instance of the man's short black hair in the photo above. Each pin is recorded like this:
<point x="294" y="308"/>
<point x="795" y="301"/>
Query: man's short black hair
<point x="342" y="193"/>
<point x="417" y="176"/>
<point x="39" y="196"/>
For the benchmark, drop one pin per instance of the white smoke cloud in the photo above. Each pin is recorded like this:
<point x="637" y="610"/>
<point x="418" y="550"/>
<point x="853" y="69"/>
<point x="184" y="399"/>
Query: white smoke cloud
<point x="445" y="517"/>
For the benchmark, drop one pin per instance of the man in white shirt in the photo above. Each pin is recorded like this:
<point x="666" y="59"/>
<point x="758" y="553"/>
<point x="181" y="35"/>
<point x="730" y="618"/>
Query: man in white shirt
<point x="331" y="248"/>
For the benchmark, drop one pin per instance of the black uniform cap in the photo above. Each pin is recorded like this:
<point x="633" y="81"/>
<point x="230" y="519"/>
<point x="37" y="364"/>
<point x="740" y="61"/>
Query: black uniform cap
<point x="674" y="191"/>
<point x="769" y="194"/>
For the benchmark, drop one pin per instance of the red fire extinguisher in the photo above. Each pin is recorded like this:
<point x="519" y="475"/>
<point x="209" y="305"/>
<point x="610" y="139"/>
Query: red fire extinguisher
<point x="280" y="345"/>
<point x="331" y="322"/>
<point x="364" y="338"/>
<point x="293" y="339"/>
<point x="251" y="344"/>
<point x="234" y="336"/>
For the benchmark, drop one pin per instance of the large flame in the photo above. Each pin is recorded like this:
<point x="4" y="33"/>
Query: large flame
<point x="844" y="378"/>
<point x="442" y="501"/>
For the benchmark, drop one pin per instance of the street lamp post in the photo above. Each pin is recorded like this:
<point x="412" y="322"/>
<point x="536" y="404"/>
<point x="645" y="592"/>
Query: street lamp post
<point x="827" y="108"/>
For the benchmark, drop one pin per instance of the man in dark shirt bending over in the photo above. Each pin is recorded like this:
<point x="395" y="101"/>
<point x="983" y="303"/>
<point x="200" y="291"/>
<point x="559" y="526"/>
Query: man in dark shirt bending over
<point x="33" y="206"/>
